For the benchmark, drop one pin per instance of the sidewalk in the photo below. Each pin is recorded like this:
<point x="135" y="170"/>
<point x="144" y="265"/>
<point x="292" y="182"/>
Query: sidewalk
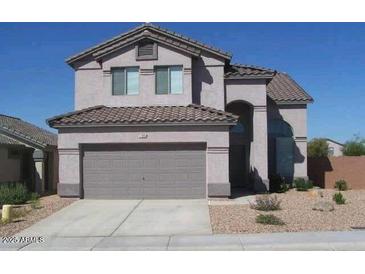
<point x="344" y="240"/>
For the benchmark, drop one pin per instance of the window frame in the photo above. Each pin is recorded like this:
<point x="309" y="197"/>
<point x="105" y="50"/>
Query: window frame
<point x="124" y="69"/>
<point x="169" y="79"/>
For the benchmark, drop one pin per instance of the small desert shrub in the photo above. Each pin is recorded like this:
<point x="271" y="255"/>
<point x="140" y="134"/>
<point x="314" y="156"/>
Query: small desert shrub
<point x="13" y="193"/>
<point x="266" y="203"/>
<point x="341" y="185"/>
<point x="35" y="202"/>
<point x="278" y="184"/>
<point x="302" y="185"/>
<point x="338" y="198"/>
<point x="269" y="219"/>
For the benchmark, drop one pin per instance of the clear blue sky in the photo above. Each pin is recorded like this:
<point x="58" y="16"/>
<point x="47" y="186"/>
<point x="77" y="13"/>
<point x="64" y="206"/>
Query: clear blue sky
<point x="327" y="60"/>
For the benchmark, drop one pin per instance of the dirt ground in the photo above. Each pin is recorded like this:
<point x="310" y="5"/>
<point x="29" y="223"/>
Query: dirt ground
<point x="296" y="211"/>
<point x="27" y="216"/>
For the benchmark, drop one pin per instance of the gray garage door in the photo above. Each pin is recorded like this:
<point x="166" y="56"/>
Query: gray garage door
<point x="144" y="171"/>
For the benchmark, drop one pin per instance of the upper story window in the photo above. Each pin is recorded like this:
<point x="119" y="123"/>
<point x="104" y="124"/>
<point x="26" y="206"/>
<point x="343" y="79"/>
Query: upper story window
<point x="169" y="80"/>
<point x="146" y="50"/>
<point x="125" y="81"/>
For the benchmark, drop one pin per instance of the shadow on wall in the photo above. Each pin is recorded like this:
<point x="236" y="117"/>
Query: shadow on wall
<point x="200" y="75"/>
<point x="259" y="184"/>
<point x="317" y="168"/>
<point x="282" y="149"/>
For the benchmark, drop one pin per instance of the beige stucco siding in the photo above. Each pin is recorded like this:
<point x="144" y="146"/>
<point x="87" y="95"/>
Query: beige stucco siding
<point x="208" y="81"/>
<point x="216" y="140"/>
<point x="336" y="148"/>
<point x="253" y="92"/>
<point x="93" y="83"/>
<point x="296" y="117"/>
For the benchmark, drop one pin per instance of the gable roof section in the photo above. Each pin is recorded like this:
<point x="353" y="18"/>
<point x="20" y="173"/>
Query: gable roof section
<point x="283" y="89"/>
<point x="145" y="115"/>
<point x="238" y="71"/>
<point x="5" y="140"/>
<point x="151" y="31"/>
<point x="19" y="129"/>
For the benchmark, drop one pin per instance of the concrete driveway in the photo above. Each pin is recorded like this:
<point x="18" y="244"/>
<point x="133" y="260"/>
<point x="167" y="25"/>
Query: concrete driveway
<point x="106" y="218"/>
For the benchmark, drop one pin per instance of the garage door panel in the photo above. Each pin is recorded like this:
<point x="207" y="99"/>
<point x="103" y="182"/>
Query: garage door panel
<point x="144" y="172"/>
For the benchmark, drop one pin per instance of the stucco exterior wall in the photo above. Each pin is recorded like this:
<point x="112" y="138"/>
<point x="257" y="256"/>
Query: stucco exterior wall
<point x="9" y="168"/>
<point x="93" y="81"/>
<point x="208" y="82"/>
<point x="216" y="139"/>
<point x="296" y="117"/>
<point x="253" y="92"/>
<point x="336" y="148"/>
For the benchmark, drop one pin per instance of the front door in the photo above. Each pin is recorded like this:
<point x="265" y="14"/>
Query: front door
<point x="237" y="166"/>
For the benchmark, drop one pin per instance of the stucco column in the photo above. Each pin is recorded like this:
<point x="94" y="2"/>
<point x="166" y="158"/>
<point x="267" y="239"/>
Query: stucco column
<point x="69" y="172"/>
<point x="218" y="172"/>
<point x="300" y="157"/>
<point x="39" y="162"/>
<point x="260" y="149"/>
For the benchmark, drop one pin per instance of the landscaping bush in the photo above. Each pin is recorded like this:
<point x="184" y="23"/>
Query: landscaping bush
<point x="341" y="185"/>
<point x="35" y="201"/>
<point x="318" y="147"/>
<point x="266" y="203"/>
<point x="338" y="198"/>
<point x="278" y="184"/>
<point x="354" y="147"/>
<point x="302" y="185"/>
<point x="269" y="219"/>
<point x="13" y="193"/>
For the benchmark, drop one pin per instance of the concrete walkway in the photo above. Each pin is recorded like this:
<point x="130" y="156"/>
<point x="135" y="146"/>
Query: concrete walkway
<point x="349" y="240"/>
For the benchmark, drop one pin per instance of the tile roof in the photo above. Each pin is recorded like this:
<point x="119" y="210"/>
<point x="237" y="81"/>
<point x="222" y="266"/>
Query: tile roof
<point x="21" y="129"/>
<point x="238" y="71"/>
<point x="148" y="35"/>
<point x="155" y="29"/>
<point x="283" y="89"/>
<point x="175" y="115"/>
<point x="5" y="140"/>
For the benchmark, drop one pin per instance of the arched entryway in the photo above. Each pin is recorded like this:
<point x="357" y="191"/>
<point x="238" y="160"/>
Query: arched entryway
<point x="241" y="137"/>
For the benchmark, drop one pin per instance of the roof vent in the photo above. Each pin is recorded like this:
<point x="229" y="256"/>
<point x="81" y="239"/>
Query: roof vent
<point x="146" y="50"/>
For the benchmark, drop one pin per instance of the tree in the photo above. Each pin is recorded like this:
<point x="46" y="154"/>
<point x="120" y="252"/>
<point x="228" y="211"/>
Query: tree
<point x="354" y="147"/>
<point x="318" y="147"/>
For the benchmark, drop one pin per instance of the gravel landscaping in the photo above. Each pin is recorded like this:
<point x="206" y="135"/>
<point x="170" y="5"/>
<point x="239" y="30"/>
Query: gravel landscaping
<point x="296" y="212"/>
<point x="27" y="216"/>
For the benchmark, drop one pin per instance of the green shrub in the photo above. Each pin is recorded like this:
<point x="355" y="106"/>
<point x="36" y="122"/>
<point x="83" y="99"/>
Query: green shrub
<point x="266" y="202"/>
<point x="13" y="193"/>
<point x="341" y="185"/>
<point x="35" y="202"/>
<point x="302" y="185"/>
<point x="318" y="147"/>
<point x="338" y="198"/>
<point x="278" y="184"/>
<point x="354" y="147"/>
<point x="269" y="219"/>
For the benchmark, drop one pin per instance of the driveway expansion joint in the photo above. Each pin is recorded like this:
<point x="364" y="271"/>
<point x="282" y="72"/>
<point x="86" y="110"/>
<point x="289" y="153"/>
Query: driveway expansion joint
<point x="125" y="219"/>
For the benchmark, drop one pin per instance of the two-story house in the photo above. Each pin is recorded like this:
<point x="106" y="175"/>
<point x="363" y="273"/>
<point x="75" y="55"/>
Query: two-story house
<point x="159" y="115"/>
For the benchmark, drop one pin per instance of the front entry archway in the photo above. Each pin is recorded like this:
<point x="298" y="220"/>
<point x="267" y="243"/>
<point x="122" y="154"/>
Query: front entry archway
<point x="240" y="139"/>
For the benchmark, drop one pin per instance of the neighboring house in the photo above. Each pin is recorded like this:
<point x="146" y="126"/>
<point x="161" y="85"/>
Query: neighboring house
<point x="159" y="115"/>
<point x="334" y="148"/>
<point x="28" y="154"/>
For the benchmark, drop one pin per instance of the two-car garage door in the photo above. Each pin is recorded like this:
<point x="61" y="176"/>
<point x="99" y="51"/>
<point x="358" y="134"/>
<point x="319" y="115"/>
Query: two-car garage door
<point x="151" y="171"/>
